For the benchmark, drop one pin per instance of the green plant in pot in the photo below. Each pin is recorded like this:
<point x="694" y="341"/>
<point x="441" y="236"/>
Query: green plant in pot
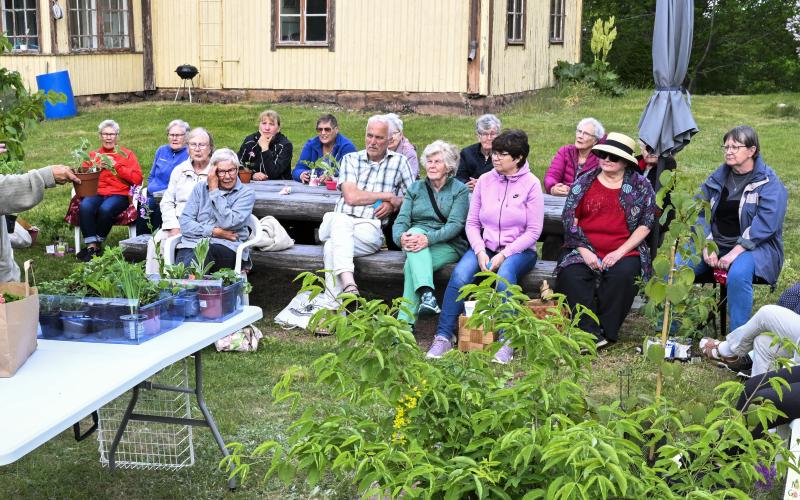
<point x="209" y="297"/>
<point x="140" y="292"/>
<point x="233" y="287"/>
<point x="330" y="170"/>
<point x="88" y="168"/>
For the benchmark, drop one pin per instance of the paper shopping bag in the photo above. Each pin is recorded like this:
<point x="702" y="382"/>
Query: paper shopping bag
<point x="19" y="320"/>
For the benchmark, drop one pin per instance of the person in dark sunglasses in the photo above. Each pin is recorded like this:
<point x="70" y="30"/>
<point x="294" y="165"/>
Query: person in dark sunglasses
<point x="607" y="216"/>
<point x="328" y="142"/>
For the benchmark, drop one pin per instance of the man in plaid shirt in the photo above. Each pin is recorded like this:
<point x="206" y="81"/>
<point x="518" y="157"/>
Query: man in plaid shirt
<point x="372" y="182"/>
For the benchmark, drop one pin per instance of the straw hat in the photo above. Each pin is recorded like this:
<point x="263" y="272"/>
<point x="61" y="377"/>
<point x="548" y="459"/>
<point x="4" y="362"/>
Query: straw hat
<point x="620" y="145"/>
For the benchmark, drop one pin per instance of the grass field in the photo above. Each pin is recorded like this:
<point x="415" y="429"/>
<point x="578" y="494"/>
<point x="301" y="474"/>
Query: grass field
<point x="238" y="385"/>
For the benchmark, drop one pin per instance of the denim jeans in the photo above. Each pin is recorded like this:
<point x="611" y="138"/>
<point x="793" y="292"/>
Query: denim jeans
<point x="220" y="255"/>
<point x="464" y="273"/>
<point x="740" y="287"/>
<point x="98" y="213"/>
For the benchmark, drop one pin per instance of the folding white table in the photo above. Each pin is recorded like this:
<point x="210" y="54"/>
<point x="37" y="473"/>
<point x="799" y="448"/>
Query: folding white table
<point x="63" y="382"/>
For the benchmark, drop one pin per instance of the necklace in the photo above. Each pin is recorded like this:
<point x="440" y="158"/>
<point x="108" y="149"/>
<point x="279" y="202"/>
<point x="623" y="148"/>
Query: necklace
<point x="738" y="185"/>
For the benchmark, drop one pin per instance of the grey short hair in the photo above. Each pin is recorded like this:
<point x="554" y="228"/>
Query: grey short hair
<point x="599" y="130"/>
<point x="744" y="134"/>
<point x="106" y="124"/>
<point x="224" y="154"/>
<point x="395" y="123"/>
<point x="379" y="119"/>
<point x="449" y="154"/>
<point x="485" y="123"/>
<point x="178" y="123"/>
<point x="200" y="131"/>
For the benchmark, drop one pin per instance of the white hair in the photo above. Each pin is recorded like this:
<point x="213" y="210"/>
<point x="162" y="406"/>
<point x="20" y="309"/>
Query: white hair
<point x="379" y="119"/>
<point x="599" y="131"/>
<point x="178" y="123"/>
<point x="449" y="154"/>
<point x="108" y="123"/>
<point x="395" y="123"/>
<point x="224" y="154"/>
<point x="486" y="123"/>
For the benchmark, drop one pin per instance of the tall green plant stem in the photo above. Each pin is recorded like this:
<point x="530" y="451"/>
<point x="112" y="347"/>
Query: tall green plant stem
<point x="664" y="331"/>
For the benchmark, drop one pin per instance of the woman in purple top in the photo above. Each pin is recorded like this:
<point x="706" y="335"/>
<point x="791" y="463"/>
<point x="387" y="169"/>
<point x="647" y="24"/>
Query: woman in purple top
<point x="505" y="220"/>
<point x="575" y="159"/>
<point x="400" y="143"/>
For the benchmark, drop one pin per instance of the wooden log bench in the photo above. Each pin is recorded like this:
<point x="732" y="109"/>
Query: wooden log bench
<point x="381" y="266"/>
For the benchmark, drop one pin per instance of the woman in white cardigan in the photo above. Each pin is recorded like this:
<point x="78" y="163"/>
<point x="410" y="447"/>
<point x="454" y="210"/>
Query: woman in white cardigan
<point x="181" y="183"/>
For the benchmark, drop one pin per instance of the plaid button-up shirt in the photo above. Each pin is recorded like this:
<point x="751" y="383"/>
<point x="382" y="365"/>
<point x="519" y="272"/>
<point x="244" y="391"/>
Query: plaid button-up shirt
<point x="391" y="174"/>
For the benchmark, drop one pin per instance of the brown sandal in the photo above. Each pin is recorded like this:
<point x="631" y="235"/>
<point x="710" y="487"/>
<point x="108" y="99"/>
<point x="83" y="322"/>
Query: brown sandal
<point x="711" y="351"/>
<point x="353" y="289"/>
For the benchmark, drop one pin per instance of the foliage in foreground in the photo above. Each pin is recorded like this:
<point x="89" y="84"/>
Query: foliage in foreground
<point x="463" y="427"/>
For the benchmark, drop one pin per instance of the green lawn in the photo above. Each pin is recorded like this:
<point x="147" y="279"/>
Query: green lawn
<point x="238" y="385"/>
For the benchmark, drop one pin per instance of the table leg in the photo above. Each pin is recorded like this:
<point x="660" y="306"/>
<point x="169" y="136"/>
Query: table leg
<point x="207" y="420"/>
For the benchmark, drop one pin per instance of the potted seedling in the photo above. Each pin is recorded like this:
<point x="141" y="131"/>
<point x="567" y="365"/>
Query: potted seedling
<point x="330" y="169"/>
<point x="246" y="171"/>
<point x="233" y="288"/>
<point x="144" y="316"/>
<point x="209" y="297"/>
<point x="88" y="168"/>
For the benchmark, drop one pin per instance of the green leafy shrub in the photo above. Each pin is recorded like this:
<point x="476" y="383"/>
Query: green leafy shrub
<point x="598" y="74"/>
<point x="461" y="427"/>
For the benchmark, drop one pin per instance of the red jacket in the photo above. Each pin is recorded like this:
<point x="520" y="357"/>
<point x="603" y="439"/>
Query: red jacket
<point x="129" y="173"/>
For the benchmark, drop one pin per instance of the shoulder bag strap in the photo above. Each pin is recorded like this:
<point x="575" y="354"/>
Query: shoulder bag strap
<point x="433" y="203"/>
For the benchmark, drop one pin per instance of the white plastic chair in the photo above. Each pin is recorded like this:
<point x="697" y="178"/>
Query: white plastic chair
<point x="131" y="227"/>
<point x="170" y="245"/>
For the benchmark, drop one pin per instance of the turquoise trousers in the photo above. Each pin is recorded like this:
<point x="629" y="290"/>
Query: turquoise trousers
<point x="418" y="272"/>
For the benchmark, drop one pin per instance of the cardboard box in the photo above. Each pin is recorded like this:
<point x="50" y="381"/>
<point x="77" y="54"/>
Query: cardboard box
<point x="473" y="339"/>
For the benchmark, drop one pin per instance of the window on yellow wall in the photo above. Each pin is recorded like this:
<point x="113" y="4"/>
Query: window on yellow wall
<point x="557" y="21"/>
<point x="515" y="25"/>
<point x="99" y="25"/>
<point x="306" y="23"/>
<point x="20" y="24"/>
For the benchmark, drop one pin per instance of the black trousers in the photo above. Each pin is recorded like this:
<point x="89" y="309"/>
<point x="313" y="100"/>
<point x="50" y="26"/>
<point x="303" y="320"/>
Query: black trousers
<point x="220" y="255"/>
<point x="608" y="294"/>
<point x="759" y="387"/>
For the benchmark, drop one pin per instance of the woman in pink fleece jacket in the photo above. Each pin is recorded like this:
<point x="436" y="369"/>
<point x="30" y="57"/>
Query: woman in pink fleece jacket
<point x="505" y="220"/>
<point x="575" y="159"/>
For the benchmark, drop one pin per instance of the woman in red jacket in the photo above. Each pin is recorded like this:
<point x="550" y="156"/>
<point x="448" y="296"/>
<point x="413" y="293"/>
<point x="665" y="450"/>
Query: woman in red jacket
<point x="98" y="212"/>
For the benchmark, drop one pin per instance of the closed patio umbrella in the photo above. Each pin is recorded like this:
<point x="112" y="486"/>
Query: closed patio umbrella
<point x="667" y="124"/>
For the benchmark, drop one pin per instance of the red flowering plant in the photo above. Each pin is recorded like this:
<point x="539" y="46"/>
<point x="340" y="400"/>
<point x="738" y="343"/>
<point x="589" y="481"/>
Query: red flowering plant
<point x="85" y="163"/>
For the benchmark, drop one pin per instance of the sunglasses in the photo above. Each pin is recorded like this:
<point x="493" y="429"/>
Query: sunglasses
<point x="603" y="155"/>
<point x="324" y="129"/>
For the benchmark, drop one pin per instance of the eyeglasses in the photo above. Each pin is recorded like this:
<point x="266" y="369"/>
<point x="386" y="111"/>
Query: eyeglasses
<point x="198" y="145"/>
<point x="488" y="135"/>
<point x="500" y="154"/>
<point x="230" y="171"/>
<point x="733" y="148"/>
<point x="324" y="129"/>
<point x="108" y="134"/>
<point x="603" y="155"/>
<point x="582" y="132"/>
<point x="175" y="136"/>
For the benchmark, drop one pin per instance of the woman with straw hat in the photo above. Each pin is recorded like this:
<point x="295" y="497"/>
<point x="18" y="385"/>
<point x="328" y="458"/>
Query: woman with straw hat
<point x="607" y="216"/>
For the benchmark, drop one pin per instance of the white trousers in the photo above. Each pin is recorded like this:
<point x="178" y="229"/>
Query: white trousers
<point x="346" y="237"/>
<point x="771" y="318"/>
<point x="151" y="263"/>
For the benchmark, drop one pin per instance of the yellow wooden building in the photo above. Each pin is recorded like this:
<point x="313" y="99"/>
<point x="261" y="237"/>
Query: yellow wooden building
<point x="423" y="51"/>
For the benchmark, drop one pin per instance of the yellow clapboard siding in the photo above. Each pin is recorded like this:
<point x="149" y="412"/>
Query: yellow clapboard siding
<point x="518" y="69"/>
<point x="89" y="73"/>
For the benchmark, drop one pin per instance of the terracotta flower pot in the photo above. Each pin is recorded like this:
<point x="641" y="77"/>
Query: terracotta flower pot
<point x="245" y="176"/>
<point x="88" y="185"/>
<point x="331" y="185"/>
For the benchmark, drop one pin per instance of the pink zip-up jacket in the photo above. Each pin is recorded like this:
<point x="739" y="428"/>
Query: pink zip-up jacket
<point x="564" y="167"/>
<point x="506" y="213"/>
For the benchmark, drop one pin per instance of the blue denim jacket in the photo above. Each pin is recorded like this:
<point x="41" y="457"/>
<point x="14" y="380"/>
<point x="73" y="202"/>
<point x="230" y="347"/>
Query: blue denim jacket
<point x="761" y="212"/>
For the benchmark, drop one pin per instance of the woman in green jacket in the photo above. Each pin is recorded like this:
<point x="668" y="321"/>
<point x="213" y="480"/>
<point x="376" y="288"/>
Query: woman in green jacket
<point x="430" y="228"/>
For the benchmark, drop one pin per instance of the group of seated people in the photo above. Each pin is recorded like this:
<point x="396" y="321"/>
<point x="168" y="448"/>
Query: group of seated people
<point x="481" y="208"/>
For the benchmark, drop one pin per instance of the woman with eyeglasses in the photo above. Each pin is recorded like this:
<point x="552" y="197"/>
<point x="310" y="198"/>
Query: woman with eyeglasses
<point x="607" y="216"/>
<point x="574" y="159"/>
<point x="167" y="157"/>
<point x="328" y="142"/>
<point x="98" y="213"/>
<point x="476" y="159"/>
<point x="748" y="204"/>
<point x="218" y="209"/>
<point x="182" y="181"/>
<point x="267" y="152"/>
<point x="505" y="219"/>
